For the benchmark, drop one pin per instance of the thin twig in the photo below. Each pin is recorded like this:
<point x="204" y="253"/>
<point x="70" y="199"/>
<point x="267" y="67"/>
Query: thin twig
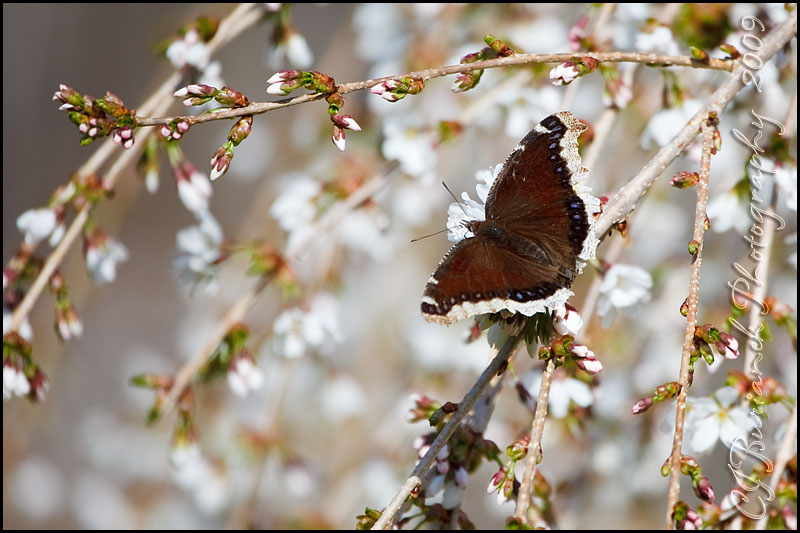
<point x="239" y="310"/>
<point x="787" y="444"/>
<point x="241" y="18"/>
<point x="629" y="195"/>
<point x="260" y="108"/>
<point x="691" y="321"/>
<point x="760" y="291"/>
<point x="785" y="453"/>
<point x="392" y="511"/>
<point x="535" y="445"/>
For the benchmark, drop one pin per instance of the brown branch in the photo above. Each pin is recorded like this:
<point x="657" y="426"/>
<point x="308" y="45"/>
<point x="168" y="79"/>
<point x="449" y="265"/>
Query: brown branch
<point x="629" y="195"/>
<point x="760" y="291"/>
<point x="239" y="310"/>
<point x="691" y="322"/>
<point x="392" y="511"/>
<point x="785" y="453"/>
<point x="241" y="18"/>
<point x="260" y="108"/>
<point x="534" y="447"/>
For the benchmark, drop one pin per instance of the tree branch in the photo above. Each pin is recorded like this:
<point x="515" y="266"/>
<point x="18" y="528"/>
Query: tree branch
<point x="629" y="195"/>
<point x="392" y="511"/>
<point x="535" y="445"/>
<point x="691" y="322"/>
<point x="260" y="108"/>
<point x="241" y="18"/>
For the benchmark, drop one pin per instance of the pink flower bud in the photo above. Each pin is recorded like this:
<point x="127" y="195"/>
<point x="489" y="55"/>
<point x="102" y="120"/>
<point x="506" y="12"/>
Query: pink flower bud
<point x="345" y="122"/>
<point x="642" y="405"/>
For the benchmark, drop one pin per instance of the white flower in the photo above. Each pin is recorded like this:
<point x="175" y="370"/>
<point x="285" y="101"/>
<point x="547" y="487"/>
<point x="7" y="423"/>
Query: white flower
<point x="567" y="321"/>
<point x="102" y="256"/>
<point x="728" y="211"/>
<point x="14" y="381"/>
<point x="717" y="418"/>
<point x="379" y="31"/>
<point x="453" y="495"/>
<point x="199" y="247"/>
<point x="623" y="286"/>
<point x="298" y="331"/>
<point x="189" y="50"/>
<point x="296" y="206"/>
<point x="68" y="323"/>
<point x="294" y="51"/>
<point x="412" y="148"/>
<point x="244" y="376"/>
<point x="564" y="73"/>
<point x="37" y="224"/>
<point x="563" y="392"/>
<point x="786" y="179"/>
<point x="666" y="123"/>
<point x="469" y="210"/>
<point x="622" y="96"/>
<point x="25" y="330"/>
<point x="365" y="231"/>
<point x="192" y="471"/>
<point x="212" y="76"/>
<point x="194" y="189"/>
<point x="525" y="107"/>
<point x="659" y="41"/>
<point x="342" y="397"/>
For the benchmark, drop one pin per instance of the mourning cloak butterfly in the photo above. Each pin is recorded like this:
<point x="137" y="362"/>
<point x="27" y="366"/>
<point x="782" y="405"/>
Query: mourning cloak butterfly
<point x="538" y="230"/>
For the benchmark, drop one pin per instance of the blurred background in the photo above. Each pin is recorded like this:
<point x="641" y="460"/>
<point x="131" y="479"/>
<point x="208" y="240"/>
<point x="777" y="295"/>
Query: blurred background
<point x="327" y="434"/>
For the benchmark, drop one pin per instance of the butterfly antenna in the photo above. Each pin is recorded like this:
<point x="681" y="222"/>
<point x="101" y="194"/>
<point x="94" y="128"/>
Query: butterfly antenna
<point x="456" y="199"/>
<point x="431" y="235"/>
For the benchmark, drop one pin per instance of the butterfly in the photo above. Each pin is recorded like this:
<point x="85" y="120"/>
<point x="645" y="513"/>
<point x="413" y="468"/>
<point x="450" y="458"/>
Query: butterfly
<point x="537" y="233"/>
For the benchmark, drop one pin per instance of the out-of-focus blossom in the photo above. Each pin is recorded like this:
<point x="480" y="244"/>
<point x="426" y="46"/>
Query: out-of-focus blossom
<point x="342" y="397"/>
<point x="659" y="41"/>
<point x="617" y="94"/>
<point x="525" y="107"/>
<point x="194" y="187"/>
<point x="15" y="383"/>
<point x="37" y="224"/>
<point x="200" y="247"/>
<point x="103" y="254"/>
<point x="366" y="231"/>
<point x="294" y="51"/>
<point x="563" y="392"/>
<point x="36" y="487"/>
<point x="459" y="214"/>
<point x="68" y="323"/>
<point x="380" y="32"/>
<point x="296" y="207"/>
<point x="717" y="418"/>
<point x="786" y="179"/>
<point x="298" y="331"/>
<point x="190" y="50"/>
<point x="413" y="148"/>
<point x="25" y="330"/>
<point x="728" y="211"/>
<point x="244" y="376"/>
<point x="193" y="472"/>
<point x="666" y="123"/>
<point x="623" y="286"/>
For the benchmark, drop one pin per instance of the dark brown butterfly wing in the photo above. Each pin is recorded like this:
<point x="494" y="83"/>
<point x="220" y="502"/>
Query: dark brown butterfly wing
<point x="534" y="196"/>
<point x="524" y="257"/>
<point x="476" y="278"/>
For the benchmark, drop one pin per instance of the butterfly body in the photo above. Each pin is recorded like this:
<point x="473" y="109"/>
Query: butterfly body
<point x="537" y="231"/>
